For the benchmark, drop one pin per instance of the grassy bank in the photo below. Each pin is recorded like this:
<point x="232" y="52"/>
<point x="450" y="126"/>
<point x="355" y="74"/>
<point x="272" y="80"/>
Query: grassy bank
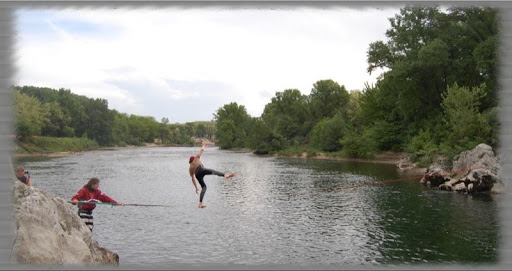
<point x="52" y="145"/>
<point x="42" y="144"/>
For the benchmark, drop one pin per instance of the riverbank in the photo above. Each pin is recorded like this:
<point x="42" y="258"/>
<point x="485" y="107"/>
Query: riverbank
<point x="60" y="147"/>
<point x="15" y="154"/>
<point x="390" y="158"/>
<point x="383" y="158"/>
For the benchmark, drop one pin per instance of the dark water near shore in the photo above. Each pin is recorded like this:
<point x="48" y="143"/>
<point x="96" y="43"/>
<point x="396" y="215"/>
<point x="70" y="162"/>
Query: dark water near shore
<point x="275" y="211"/>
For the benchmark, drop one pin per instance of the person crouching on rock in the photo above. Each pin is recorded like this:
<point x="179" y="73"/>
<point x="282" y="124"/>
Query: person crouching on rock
<point x="90" y="192"/>
<point x="23" y="176"/>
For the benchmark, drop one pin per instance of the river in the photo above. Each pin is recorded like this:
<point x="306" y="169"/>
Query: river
<point x="275" y="211"/>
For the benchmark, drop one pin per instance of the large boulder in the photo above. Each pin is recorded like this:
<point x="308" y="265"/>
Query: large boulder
<point x="481" y="169"/>
<point x="49" y="232"/>
<point x="476" y="170"/>
<point x="481" y="157"/>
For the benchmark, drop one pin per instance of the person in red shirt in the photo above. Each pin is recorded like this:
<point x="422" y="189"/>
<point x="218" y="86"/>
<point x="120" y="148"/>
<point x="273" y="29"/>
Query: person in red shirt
<point x="90" y="192"/>
<point x="197" y="170"/>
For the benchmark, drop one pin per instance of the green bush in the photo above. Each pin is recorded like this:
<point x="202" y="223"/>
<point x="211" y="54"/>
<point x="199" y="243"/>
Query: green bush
<point x="64" y="144"/>
<point x="327" y="133"/>
<point x="422" y="148"/>
<point x="388" y="136"/>
<point x="68" y="131"/>
<point x="359" y="146"/>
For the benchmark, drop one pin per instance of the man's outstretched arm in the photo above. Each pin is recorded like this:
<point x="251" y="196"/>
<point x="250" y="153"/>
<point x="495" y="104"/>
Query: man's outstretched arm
<point x="201" y="150"/>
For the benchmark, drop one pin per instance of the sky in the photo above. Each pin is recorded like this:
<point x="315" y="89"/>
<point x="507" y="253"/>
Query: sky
<point x="184" y="64"/>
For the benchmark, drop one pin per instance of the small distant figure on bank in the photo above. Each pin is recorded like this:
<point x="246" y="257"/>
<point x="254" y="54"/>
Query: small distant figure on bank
<point x="23" y="176"/>
<point x="197" y="170"/>
<point x="90" y="192"/>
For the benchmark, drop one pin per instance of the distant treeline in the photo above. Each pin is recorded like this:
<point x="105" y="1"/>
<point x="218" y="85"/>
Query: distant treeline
<point x="49" y="112"/>
<point x="437" y="95"/>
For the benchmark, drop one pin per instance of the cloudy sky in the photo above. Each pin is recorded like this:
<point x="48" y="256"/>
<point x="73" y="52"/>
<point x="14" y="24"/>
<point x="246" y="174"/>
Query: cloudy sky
<point x="184" y="64"/>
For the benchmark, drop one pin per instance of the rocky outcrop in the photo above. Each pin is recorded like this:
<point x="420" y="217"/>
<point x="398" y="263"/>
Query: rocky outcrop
<point x="481" y="157"/>
<point x="473" y="171"/>
<point x="49" y="232"/>
<point x="405" y="163"/>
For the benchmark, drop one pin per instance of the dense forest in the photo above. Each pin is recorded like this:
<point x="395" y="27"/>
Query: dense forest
<point x="60" y="113"/>
<point x="437" y="95"/>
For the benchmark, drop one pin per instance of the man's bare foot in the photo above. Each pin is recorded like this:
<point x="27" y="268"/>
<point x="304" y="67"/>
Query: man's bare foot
<point x="230" y="175"/>
<point x="201" y="205"/>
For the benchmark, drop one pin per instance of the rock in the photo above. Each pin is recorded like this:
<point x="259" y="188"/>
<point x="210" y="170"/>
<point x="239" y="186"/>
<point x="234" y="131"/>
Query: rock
<point x="460" y="187"/>
<point x="405" y="163"/>
<point x="450" y="184"/>
<point x="470" y="188"/>
<point x="434" y="176"/>
<point x="452" y="181"/>
<point x="473" y="171"/>
<point x="441" y="162"/>
<point x="445" y="186"/>
<point x="481" y="157"/>
<point x="481" y="179"/>
<point x="49" y="232"/>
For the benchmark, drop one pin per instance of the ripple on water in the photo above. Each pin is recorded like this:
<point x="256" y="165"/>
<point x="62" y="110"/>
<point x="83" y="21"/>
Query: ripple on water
<point x="275" y="211"/>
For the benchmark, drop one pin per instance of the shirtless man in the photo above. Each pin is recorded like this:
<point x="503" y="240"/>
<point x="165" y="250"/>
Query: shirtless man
<point x="197" y="170"/>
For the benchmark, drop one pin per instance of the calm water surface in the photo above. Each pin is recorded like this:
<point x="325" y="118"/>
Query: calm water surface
<point x="275" y="211"/>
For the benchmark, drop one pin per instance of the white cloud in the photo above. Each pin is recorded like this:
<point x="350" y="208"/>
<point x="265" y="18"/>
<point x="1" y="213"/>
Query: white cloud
<point x="128" y="55"/>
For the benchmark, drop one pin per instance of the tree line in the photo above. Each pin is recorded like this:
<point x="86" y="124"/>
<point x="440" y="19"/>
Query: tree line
<point x="437" y="95"/>
<point x="42" y="111"/>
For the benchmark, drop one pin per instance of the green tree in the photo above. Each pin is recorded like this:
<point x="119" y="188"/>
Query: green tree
<point x="201" y="130"/>
<point x="359" y="144"/>
<point x="427" y="51"/>
<point x="326" y="99"/>
<point x="232" y="126"/>
<point x="286" y="114"/>
<point x="57" y="121"/>
<point x="74" y="106"/>
<point x="143" y="129"/>
<point x="165" y="133"/>
<point x="226" y="133"/>
<point x="120" y="130"/>
<point x="262" y="139"/>
<point x="467" y="126"/>
<point x="30" y="115"/>
<point x="327" y="134"/>
<point x="210" y="129"/>
<point x="100" y="121"/>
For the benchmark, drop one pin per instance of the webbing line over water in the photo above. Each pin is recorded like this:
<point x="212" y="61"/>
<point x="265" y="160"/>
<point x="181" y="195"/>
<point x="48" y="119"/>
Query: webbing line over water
<point x="390" y="181"/>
